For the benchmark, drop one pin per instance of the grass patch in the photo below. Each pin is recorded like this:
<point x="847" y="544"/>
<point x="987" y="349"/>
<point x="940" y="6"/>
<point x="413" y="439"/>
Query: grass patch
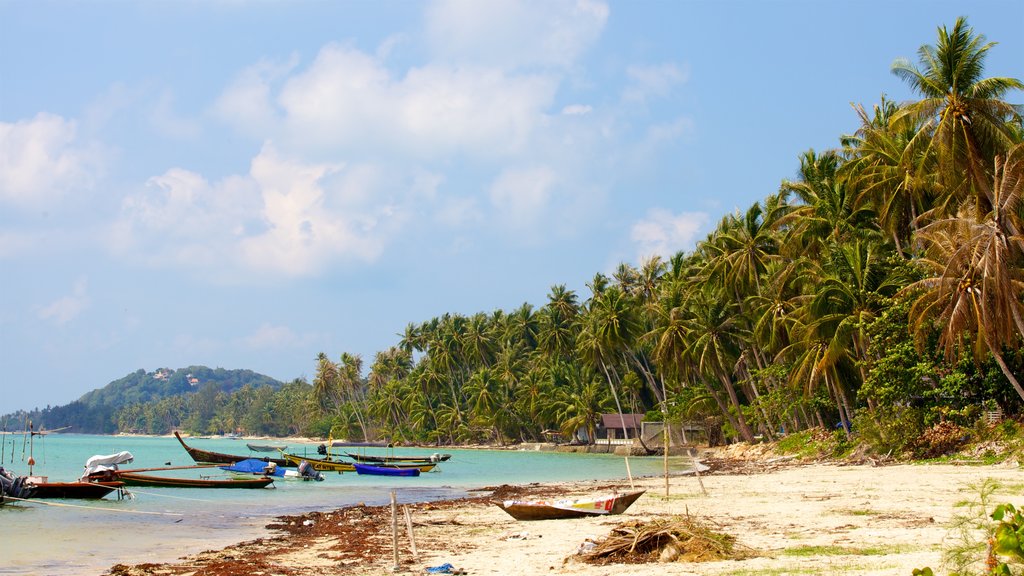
<point x="833" y="550"/>
<point x="853" y="512"/>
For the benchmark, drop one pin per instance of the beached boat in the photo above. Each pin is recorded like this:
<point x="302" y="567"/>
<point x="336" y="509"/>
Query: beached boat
<point x="132" y="478"/>
<point x="370" y="459"/>
<point x="385" y="470"/>
<point x="257" y="467"/>
<point x="266" y="447"/>
<point x="208" y="457"/>
<point x="577" y="508"/>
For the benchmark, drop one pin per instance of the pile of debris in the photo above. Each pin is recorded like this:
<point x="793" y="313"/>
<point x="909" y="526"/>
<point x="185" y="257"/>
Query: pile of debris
<point x="676" y="539"/>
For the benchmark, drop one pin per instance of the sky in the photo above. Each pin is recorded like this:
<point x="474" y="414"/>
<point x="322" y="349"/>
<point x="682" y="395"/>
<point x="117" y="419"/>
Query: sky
<point x="245" y="184"/>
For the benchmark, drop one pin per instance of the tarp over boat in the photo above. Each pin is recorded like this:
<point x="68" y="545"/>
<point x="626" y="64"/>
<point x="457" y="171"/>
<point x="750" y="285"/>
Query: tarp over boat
<point x="100" y="463"/>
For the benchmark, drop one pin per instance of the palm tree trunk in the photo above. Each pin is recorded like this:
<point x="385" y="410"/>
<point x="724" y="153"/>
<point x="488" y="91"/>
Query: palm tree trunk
<point x="741" y="423"/>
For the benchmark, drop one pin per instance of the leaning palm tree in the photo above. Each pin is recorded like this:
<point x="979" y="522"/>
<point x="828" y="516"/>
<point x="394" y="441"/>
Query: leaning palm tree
<point x="961" y="113"/>
<point x="975" y="293"/>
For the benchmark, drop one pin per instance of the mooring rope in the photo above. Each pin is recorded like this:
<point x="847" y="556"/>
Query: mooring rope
<point x="34" y="501"/>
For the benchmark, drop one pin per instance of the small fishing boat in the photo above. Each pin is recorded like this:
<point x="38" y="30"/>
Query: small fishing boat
<point x="132" y="478"/>
<point x="569" y="508"/>
<point x="208" y="457"/>
<point x="266" y="447"/>
<point x="257" y="467"/>
<point x="330" y="464"/>
<point x="41" y="488"/>
<point x="370" y="459"/>
<point x="322" y="464"/>
<point x="385" y="470"/>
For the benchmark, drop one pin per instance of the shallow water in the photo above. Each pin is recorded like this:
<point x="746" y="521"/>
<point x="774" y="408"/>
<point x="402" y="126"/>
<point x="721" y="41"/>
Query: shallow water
<point x="74" y="537"/>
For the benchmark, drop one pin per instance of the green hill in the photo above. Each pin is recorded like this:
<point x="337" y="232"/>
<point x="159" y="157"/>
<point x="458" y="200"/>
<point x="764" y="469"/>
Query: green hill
<point x="95" y="411"/>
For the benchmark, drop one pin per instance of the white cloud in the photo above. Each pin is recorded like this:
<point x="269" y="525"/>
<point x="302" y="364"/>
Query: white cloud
<point x="247" y="103"/>
<point x="521" y="196"/>
<point x="513" y="33"/>
<point x="286" y="216"/>
<point x="577" y="110"/>
<point x="663" y="233"/>
<point x="647" y="82"/>
<point x="271" y="337"/>
<point x="348" y="102"/>
<point x="66" y="309"/>
<point x="41" y="163"/>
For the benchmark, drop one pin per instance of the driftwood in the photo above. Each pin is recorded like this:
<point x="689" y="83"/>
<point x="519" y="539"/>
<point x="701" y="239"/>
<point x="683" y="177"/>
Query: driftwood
<point x="677" y="538"/>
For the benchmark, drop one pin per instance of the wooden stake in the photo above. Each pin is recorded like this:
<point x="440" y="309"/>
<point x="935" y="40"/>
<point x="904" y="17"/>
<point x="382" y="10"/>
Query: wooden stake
<point x="412" y="538"/>
<point x="394" y="528"/>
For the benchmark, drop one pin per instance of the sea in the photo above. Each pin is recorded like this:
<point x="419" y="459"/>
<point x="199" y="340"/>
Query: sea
<point x="80" y="537"/>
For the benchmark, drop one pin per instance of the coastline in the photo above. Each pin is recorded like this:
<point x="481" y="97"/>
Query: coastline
<point x="794" y="517"/>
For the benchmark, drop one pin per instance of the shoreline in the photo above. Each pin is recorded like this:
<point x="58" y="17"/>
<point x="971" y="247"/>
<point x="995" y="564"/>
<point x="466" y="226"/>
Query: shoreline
<point x="794" y="517"/>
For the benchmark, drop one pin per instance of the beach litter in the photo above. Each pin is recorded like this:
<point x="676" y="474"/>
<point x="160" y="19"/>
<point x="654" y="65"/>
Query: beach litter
<point x="445" y="568"/>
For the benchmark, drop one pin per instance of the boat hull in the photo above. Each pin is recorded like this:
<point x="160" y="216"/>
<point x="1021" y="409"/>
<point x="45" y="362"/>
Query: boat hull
<point x="385" y="470"/>
<point x="81" y="490"/>
<point x="136" y="479"/>
<point x="208" y="457"/>
<point x="559" y="509"/>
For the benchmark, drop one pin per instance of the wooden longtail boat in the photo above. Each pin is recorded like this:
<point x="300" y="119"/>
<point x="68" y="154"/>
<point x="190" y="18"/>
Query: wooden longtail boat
<point x="205" y="456"/>
<point x="385" y="470"/>
<point x="555" y="509"/>
<point x="79" y="489"/>
<point x="136" y="479"/>
<point x="266" y="447"/>
<point x="369" y="459"/>
<point x="320" y="464"/>
<point x="331" y="465"/>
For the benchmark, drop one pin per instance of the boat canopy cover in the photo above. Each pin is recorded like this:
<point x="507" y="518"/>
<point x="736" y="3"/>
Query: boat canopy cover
<point x="110" y="460"/>
<point x="100" y="463"/>
<point x="252" y="466"/>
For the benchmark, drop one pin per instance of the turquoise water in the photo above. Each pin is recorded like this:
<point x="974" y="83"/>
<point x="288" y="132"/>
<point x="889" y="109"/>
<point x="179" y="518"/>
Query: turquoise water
<point x="162" y="524"/>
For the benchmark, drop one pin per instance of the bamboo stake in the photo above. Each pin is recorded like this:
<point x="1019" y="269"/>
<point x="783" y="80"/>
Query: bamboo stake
<point x="412" y="537"/>
<point x="394" y="528"/>
<point x="664" y="431"/>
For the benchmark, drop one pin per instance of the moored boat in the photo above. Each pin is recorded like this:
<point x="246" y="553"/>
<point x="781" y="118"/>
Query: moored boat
<point x="385" y="470"/>
<point x="208" y="457"/>
<point x="257" y="467"/>
<point x="371" y="459"/>
<point x="569" y="508"/>
<point x="266" y="447"/>
<point x="41" y="488"/>
<point x="131" y="478"/>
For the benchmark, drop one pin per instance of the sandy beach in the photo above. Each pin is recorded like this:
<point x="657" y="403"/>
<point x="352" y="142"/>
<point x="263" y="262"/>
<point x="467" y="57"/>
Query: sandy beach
<point x="789" y="518"/>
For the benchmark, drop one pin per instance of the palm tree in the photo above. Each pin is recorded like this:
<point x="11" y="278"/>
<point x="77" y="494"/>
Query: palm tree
<point x="961" y="113"/>
<point x="975" y="292"/>
<point x="882" y="160"/>
<point x="326" y="383"/>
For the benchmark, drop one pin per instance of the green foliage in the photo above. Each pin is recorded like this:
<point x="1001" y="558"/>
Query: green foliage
<point x="888" y="430"/>
<point x="816" y="443"/>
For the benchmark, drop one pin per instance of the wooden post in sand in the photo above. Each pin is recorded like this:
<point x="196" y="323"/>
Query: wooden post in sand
<point x="412" y="538"/>
<point x="394" y="528"/>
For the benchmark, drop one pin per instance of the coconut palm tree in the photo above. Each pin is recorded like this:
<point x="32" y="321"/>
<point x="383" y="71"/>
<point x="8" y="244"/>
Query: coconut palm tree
<point x="961" y="114"/>
<point x="974" y="293"/>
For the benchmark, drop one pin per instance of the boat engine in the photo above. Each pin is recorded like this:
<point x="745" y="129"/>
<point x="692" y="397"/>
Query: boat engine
<point x="306" y="471"/>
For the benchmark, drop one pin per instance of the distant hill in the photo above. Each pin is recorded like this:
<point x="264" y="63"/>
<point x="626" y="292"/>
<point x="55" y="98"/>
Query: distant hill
<point x="94" y="412"/>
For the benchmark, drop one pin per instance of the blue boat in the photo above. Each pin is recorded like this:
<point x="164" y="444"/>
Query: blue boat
<point x="385" y="470"/>
<point x="259" y="467"/>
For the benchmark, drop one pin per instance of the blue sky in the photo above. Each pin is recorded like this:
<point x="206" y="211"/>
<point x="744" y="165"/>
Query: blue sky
<point x="244" y="184"/>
